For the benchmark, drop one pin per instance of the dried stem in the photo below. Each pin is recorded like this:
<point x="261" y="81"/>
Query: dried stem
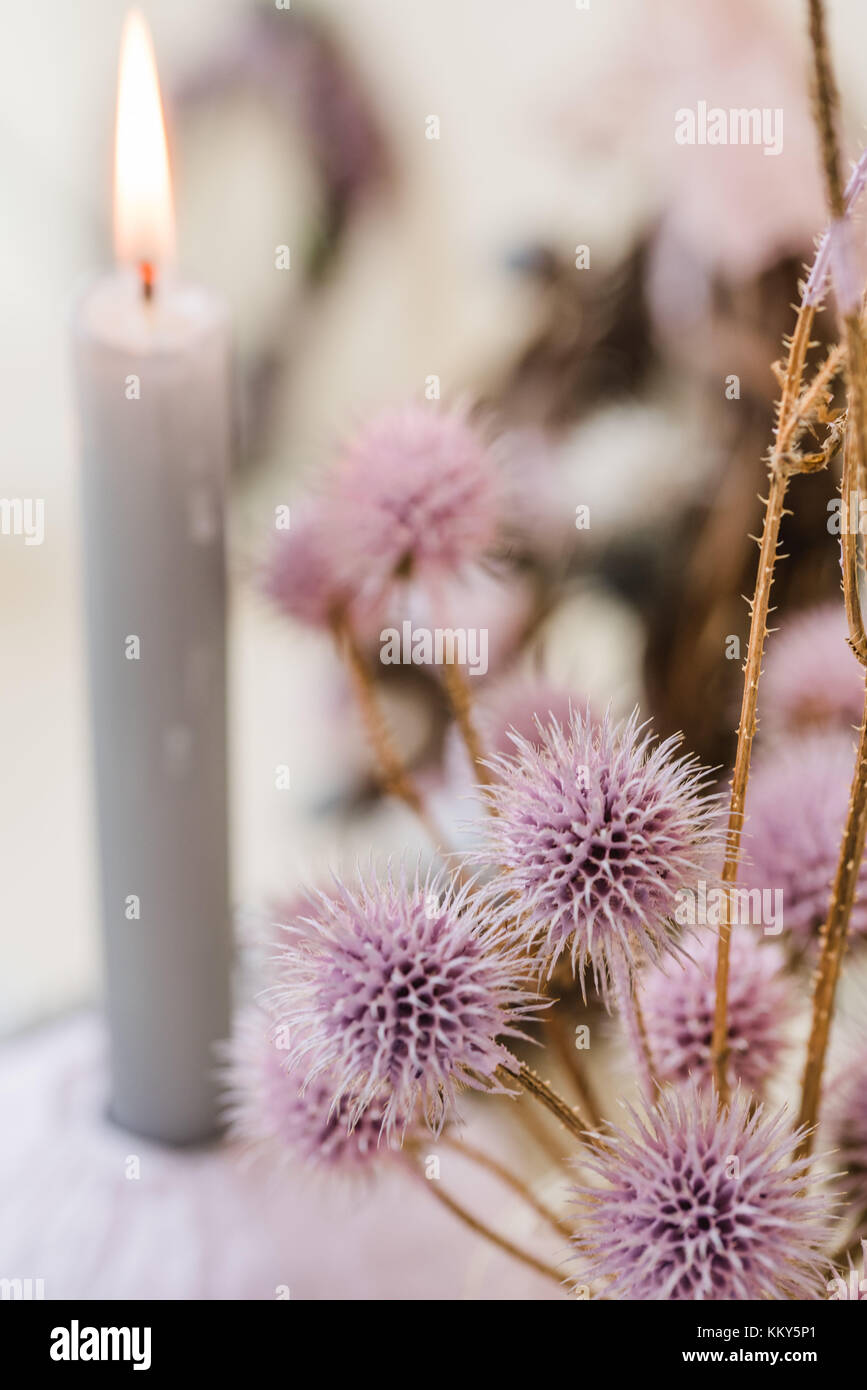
<point x="635" y="1030"/>
<point x="548" y="1097"/>
<point x="394" y="777"/>
<point x="834" y="934"/>
<point x="460" y="700"/>
<point x="759" y="609"/>
<point x="510" y="1179"/>
<point x="481" y="1229"/>
<point x="567" y="1052"/>
<point x="836" y="928"/>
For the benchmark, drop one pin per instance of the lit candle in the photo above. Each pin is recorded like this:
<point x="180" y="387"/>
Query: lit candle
<point x="152" y="366"/>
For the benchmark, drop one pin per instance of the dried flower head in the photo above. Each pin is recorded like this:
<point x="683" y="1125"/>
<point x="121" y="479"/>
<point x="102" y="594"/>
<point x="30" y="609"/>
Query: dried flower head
<point x="268" y="1109"/>
<point x="678" y="999"/>
<point x="302" y="576"/>
<point x="396" y="994"/>
<point x="810" y="677"/>
<point x="417" y="491"/>
<point x="597" y="830"/>
<point x="700" y="1203"/>
<point x="799" y="793"/>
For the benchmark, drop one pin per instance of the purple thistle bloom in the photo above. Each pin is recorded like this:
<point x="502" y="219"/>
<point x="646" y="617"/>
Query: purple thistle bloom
<point x="795" y="817"/>
<point x="418" y="494"/>
<point x="396" y="994"/>
<point x="268" y="1110"/>
<point x="678" y="999"/>
<point x="811" y="677"/>
<point x="702" y="1204"/>
<point x="301" y="576"/>
<point x="597" y="831"/>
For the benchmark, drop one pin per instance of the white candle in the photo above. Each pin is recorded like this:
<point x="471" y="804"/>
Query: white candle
<point x="152" y="364"/>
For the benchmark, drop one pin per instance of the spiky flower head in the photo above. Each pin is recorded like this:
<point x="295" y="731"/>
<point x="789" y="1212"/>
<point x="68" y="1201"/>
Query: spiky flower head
<point x="302" y="574"/>
<point x="269" y="1110"/>
<point x="598" y="829"/>
<point x="799" y="793"/>
<point x="417" y="491"/>
<point x="810" y="677"/>
<point x="700" y="1203"/>
<point x="678" y="1000"/>
<point x="396" y="994"/>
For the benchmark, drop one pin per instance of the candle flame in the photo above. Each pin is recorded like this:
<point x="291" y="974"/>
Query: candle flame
<point x="144" y="231"/>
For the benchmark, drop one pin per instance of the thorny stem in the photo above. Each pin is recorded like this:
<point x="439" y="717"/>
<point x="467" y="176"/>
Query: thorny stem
<point x="481" y="1229"/>
<point x="394" y="777"/>
<point x="510" y="1179"/>
<point x="834" y="934"/>
<point x="779" y="482"/>
<point x="461" y="702"/>
<point x="635" y="1030"/>
<point x="548" y="1097"/>
<point x="855" y="454"/>
<point x="564" y="1046"/>
<point x="836" y="927"/>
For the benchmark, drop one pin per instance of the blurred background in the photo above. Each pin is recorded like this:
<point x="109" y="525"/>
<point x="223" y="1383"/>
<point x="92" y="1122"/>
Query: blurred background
<point x="414" y="258"/>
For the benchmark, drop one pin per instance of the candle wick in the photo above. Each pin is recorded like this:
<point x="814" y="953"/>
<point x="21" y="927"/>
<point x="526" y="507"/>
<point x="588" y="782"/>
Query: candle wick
<point x="148" y="278"/>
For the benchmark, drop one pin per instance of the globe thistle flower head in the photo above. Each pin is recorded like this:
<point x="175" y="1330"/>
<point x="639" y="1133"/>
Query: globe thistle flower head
<point x="398" y="994"/>
<point x="417" y="491"/>
<point x="301" y="575"/>
<point x="597" y="830"/>
<point x="700" y="1203"/>
<point x="268" y="1109"/>
<point x="799" y="794"/>
<point x="678" y="999"/>
<point x="810" y="677"/>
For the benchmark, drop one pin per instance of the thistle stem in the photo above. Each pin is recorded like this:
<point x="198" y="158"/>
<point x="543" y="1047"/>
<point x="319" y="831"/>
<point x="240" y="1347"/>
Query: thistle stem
<point x="394" y="778"/>
<point x="481" y="1229"/>
<point x="509" y="1179"/>
<point x="635" y="1030"/>
<point x="458" y="692"/>
<point x="836" y="927"/>
<point x="833" y="947"/>
<point x="547" y="1096"/>
<point x="568" y="1054"/>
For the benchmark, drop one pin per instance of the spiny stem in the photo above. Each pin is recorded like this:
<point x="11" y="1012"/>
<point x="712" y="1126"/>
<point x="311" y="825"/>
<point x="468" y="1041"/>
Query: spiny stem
<point x="481" y="1229"/>
<point x="834" y="934"/>
<point x="635" y="1030"/>
<point x="548" y="1097"/>
<point x="394" y="777"/>
<point x="568" y="1054"/>
<point x="510" y="1179"/>
<point x="779" y="482"/>
<point x="460" y="700"/>
<point x="836" y="927"/>
<point x="855" y="455"/>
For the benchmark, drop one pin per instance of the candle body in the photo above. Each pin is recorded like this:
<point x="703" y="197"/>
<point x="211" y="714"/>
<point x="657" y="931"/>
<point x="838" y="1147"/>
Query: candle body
<point x="154" y="393"/>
